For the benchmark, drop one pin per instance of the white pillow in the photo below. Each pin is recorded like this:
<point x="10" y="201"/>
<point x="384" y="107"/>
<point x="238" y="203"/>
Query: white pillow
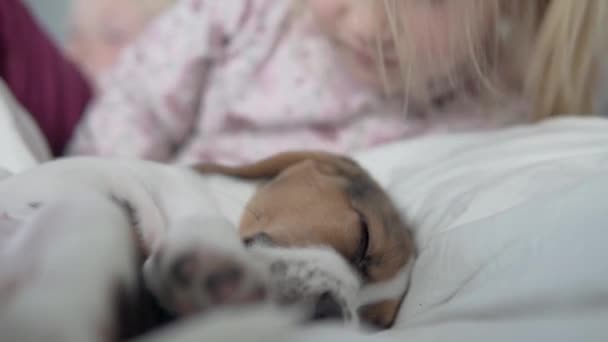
<point x="442" y="182"/>
<point x="21" y="143"/>
<point x="504" y="211"/>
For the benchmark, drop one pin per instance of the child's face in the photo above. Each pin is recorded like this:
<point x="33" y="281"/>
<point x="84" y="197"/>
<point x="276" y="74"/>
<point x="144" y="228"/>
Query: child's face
<point x="431" y="38"/>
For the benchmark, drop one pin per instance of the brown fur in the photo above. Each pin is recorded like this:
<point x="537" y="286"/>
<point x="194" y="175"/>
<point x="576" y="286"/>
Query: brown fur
<point x="315" y="198"/>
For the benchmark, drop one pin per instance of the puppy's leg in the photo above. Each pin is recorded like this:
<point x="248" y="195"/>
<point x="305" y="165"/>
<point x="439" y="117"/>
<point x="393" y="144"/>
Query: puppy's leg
<point x="84" y="256"/>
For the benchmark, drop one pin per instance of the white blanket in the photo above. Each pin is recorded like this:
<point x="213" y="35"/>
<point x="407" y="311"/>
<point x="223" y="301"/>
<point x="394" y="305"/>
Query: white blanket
<point x="21" y="144"/>
<point x="511" y="229"/>
<point x="510" y="226"/>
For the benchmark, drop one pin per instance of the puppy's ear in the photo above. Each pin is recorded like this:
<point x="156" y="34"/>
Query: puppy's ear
<point x="271" y="167"/>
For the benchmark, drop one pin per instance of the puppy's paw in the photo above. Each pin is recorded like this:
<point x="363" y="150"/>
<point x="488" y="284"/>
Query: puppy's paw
<point x="194" y="273"/>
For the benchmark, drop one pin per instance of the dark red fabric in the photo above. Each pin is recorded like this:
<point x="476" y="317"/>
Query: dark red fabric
<point x="43" y="81"/>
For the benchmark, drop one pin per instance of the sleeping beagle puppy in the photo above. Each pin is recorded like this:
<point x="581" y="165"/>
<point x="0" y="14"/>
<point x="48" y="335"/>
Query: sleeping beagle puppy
<point x="321" y="199"/>
<point x="316" y="218"/>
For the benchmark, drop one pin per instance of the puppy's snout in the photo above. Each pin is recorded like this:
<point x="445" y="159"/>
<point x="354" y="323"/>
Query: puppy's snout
<point x="223" y="283"/>
<point x="327" y="308"/>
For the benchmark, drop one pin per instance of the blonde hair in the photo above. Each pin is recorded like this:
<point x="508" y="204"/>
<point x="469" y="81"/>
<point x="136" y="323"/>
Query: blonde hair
<point x="546" y="51"/>
<point x="564" y="64"/>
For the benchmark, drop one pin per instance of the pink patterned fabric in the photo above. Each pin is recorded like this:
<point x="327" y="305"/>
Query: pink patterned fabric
<point x="236" y="80"/>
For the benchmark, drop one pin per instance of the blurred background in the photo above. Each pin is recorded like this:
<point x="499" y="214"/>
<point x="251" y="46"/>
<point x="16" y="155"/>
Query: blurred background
<point x="53" y="15"/>
<point x="93" y="32"/>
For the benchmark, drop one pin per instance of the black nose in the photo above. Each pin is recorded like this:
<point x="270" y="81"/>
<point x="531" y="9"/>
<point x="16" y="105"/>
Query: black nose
<point x="327" y="308"/>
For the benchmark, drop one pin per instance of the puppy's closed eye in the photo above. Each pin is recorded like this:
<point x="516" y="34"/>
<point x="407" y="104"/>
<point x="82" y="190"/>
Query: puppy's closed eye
<point x="361" y="259"/>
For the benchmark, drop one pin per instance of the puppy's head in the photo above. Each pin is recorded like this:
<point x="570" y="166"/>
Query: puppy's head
<point x="321" y="199"/>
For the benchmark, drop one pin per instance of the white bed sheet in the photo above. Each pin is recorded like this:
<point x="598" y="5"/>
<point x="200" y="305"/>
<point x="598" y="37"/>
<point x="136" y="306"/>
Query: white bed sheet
<point x="511" y="231"/>
<point x="510" y="226"/>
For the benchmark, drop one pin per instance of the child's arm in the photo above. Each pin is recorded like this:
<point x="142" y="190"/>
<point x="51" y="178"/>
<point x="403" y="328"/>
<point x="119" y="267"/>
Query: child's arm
<point x="51" y="88"/>
<point x="148" y="104"/>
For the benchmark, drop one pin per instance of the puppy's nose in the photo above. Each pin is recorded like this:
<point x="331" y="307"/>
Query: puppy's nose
<point x="223" y="283"/>
<point x="327" y="308"/>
